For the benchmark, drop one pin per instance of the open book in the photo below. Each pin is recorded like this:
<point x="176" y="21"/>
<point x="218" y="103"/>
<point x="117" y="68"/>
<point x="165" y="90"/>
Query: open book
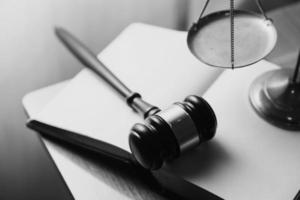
<point x="247" y="159"/>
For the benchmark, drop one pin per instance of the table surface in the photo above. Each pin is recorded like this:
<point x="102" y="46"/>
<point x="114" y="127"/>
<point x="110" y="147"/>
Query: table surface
<point x="115" y="175"/>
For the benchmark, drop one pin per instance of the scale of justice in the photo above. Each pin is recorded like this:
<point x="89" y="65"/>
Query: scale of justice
<point x="275" y="95"/>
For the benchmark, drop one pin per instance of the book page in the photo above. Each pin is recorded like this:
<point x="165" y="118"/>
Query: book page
<point x="153" y="61"/>
<point x="248" y="158"/>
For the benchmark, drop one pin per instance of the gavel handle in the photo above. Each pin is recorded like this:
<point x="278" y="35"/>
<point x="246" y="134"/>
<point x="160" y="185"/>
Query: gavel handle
<point x="89" y="59"/>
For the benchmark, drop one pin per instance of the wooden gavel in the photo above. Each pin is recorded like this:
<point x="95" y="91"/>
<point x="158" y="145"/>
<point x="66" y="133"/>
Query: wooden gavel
<point x="165" y="134"/>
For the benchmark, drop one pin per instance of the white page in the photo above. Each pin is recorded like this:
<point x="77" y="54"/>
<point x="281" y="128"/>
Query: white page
<point x="125" y="52"/>
<point x="153" y="61"/>
<point x="70" y="166"/>
<point x="248" y="158"/>
<point x="230" y="165"/>
<point x="35" y="101"/>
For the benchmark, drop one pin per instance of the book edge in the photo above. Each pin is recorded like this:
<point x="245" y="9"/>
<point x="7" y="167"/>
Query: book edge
<point x="81" y="141"/>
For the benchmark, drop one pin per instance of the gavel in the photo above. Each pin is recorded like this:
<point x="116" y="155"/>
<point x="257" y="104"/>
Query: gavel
<point x="165" y="134"/>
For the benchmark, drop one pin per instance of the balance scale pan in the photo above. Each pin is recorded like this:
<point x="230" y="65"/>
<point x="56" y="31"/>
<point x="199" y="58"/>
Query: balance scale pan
<point x="254" y="38"/>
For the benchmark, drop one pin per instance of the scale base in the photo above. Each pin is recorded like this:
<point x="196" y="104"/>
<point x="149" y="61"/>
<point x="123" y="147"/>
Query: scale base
<point x="276" y="99"/>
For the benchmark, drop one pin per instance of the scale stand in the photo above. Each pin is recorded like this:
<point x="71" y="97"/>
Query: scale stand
<point x="275" y="96"/>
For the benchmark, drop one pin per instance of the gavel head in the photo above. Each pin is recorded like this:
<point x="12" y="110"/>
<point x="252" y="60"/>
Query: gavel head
<point x="168" y="133"/>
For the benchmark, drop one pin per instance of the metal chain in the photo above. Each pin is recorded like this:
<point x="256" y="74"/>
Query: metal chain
<point x="232" y="32"/>
<point x="203" y="10"/>
<point x="296" y="72"/>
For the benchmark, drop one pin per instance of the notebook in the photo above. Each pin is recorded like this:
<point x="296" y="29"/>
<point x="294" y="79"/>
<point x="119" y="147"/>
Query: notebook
<point x="247" y="159"/>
